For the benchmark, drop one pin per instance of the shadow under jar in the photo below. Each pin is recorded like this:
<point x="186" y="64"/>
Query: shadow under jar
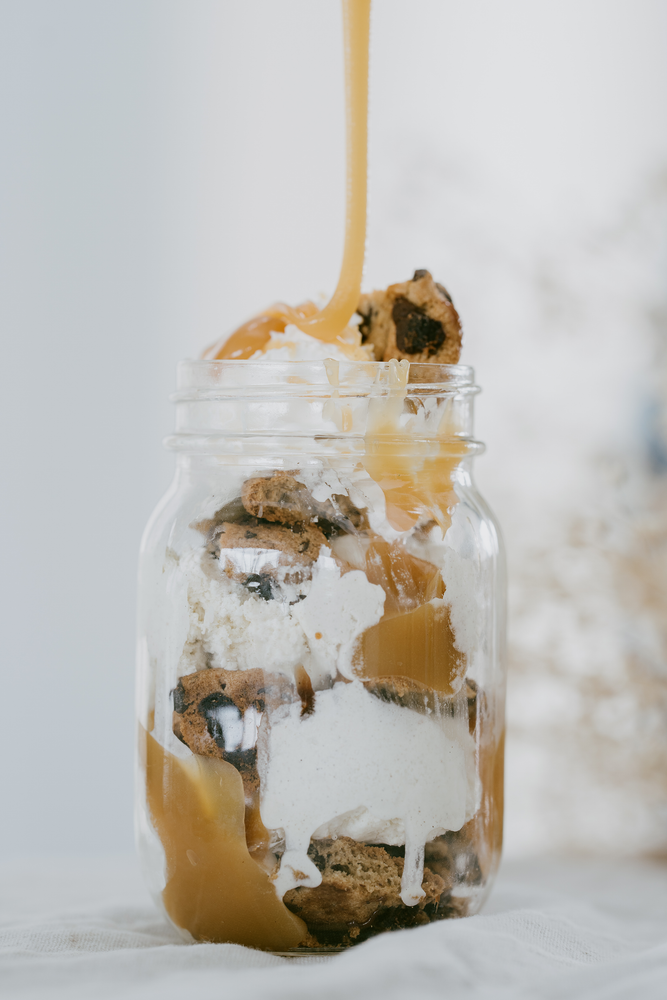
<point x="321" y="657"/>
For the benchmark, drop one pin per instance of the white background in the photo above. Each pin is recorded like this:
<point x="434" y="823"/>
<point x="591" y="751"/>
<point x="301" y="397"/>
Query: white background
<point x="170" y="166"/>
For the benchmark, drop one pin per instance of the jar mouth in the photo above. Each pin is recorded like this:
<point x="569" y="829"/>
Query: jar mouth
<point x="210" y="379"/>
<point x="321" y="407"/>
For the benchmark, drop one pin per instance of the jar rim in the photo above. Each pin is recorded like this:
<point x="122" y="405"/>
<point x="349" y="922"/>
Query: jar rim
<point x="231" y="376"/>
<point x="238" y="407"/>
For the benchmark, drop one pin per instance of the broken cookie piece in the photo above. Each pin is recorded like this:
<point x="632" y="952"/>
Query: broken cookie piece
<point x="217" y="714"/>
<point x="281" y="501"/>
<point x="408" y="693"/>
<point x="361" y="884"/>
<point x="280" y="498"/>
<point x="414" y="320"/>
<point x="403" y="691"/>
<point x="453" y="857"/>
<point x="268" y="559"/>
<point x="301" y="542"/>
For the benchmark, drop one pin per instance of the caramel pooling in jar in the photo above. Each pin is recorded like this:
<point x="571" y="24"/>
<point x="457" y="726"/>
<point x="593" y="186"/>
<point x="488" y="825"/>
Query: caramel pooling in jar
<point x="215" y="889"/>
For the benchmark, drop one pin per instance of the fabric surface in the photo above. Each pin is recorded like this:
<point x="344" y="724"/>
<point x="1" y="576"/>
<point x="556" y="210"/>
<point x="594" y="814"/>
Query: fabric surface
<point x="551" y="929"/>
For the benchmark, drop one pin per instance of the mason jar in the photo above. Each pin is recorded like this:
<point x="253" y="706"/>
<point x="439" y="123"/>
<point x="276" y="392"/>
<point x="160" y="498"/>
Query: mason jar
<point x="321" y="657"/>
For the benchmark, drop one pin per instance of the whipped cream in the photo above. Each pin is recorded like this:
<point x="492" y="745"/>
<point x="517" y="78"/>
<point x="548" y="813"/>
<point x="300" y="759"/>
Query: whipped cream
<point x="459" y="562"/>
<point x="333" y="616"/>
<point x="233" y="628"/>
<point x="314" y="624"/>
<point x="295" y="345"/>
<point x="361" y="767"/>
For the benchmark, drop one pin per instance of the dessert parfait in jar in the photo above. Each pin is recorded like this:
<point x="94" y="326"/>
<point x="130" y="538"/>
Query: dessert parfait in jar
<point x="321" y="620"/>
<point x="321" y="677"/>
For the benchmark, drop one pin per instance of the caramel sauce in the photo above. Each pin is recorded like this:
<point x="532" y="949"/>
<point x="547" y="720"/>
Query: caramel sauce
<point x="495" y="800"/>
<point x="256" y="834"/>
<point x="252" y="336"/>
<point x="418" y="645"/>
<point x="485" y="829"/>
<point x="407" y="581"/>
<point x="415" y="475"/>
<point x="411" y="487"/>
<point x="414" y="637"/>
<point x="215" y="889"/>
<point x="330" y="322"/>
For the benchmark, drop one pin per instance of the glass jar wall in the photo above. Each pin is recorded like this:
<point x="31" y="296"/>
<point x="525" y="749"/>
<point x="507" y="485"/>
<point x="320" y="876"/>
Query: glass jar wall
<point x="320" y="666"/>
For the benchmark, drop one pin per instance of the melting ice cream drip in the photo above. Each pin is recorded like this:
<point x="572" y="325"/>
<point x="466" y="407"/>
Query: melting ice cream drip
<point x="367" y="773"/>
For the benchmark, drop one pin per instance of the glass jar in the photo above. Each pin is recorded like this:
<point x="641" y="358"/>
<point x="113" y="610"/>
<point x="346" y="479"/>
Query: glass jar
<point x="321" y="657"/>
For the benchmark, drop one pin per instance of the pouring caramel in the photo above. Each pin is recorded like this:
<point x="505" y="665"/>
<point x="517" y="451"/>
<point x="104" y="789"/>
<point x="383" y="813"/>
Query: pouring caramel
<point x="253" y="336"/>
<point x="329" y="323"/>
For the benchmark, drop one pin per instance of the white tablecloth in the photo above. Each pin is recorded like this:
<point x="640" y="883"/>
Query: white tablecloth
<point x="552" y="929"/>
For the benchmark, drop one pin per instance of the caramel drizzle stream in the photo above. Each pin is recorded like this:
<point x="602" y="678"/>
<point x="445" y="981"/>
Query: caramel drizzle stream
<point x="328" y="323"/>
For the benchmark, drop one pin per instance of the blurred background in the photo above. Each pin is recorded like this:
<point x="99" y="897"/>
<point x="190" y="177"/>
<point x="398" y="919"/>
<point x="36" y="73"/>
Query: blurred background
<point x="170" y="166"/>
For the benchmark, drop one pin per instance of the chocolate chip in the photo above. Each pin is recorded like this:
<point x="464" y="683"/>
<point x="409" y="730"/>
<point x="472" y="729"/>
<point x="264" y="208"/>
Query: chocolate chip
<point x="419" y="274"/>
<point x="212" y="701"/>
<point x="244" y="761"/>
<point x="415" y="331"/>
<point x="251" y="534"/>
<point x="327" y="527"/>
<point x="181" y="704"/>
<point x="394" y="851"/>
<point x="304" y="545"/>
<point x="208" y="708"/>
<point x="365" y="325"/>
<point x="259" y="583"/>
<point x="215" y="731"/>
